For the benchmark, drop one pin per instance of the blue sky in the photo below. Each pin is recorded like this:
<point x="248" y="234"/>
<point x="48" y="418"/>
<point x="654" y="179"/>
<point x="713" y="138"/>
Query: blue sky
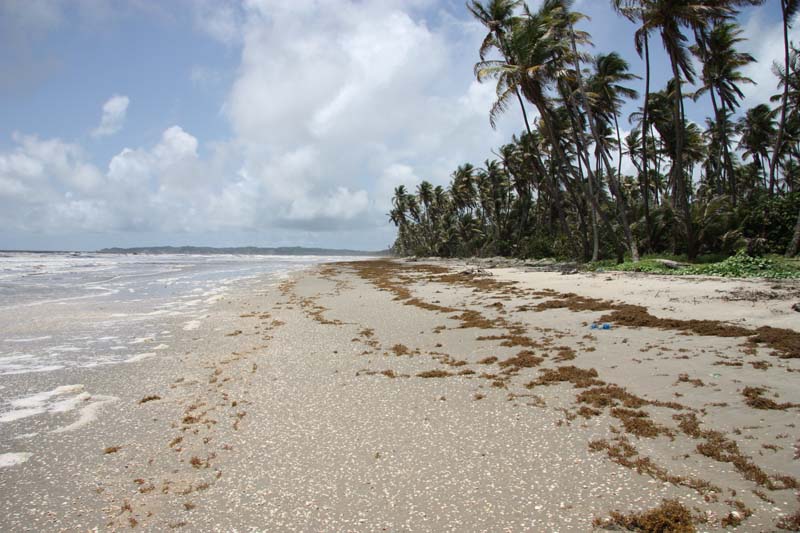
<point x="264" y="122"/>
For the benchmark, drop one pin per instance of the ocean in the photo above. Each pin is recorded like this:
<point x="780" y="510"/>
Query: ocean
<point x="61" y="311"/>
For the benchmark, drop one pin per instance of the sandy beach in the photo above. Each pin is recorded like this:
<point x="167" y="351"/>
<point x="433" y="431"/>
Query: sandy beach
<point x="433" y="396"/>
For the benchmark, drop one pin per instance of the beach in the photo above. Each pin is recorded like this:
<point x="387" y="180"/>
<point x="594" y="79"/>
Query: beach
<point x="393" y="395"/>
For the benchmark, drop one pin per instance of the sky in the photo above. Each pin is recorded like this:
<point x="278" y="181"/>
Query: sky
<point x="260" y="122"/>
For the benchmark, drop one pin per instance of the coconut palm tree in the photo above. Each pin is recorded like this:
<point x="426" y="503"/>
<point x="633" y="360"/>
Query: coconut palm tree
<point x="789" y="81"/>
<point x="721" y="77"/>
<point x="499" y="18"/>
<point x="462" y="187"/>
<point x="608" y="92"/>
<point x="789" y="8"/>
<point x="536" y="62"/>
<point x="634" y="10"/>
<point x="757" y="129"/>
<point x="670" y="18"/>
<point x="610" y="70"/>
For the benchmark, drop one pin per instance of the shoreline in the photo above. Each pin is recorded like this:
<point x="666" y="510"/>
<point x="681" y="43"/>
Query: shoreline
<point x="407" y="395"/>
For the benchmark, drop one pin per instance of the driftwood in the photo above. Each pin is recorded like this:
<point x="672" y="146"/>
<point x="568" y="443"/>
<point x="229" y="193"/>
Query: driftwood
<point x="670" y="264"/>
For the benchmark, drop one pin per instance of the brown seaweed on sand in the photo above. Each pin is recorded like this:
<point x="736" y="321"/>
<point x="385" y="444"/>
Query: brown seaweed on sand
<point x="671" y="516"/>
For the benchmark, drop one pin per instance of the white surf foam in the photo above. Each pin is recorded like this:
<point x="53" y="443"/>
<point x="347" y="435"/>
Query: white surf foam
<point x="64" y="399"/>
<point x="140" y="357"/>
<point x="31" y="339"/>
<point x="10" y="370"/>
<point x="191" y="325"/>
<point x="87" y="414"/>
<point x="13" y="459"/>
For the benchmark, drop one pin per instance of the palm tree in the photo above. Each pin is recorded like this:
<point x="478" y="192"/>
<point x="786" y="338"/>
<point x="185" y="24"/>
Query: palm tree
<point x="634" y="10"/>
<point x="669" y="17"/>
<point x="535" y="62"/>
<point x="789" y="8"/>
<point x="789" y="76"/>
<point x="499" y="18"/>
<point x="757" y="128"/>
<point x="605" y="85"/>
<point x="789" y="81"/>
<point x="462" y="187"/>
<point x="608" y="92"/>
<point x="721" y="78"/>
<point x="399" y="217"/>
<point x="791" y="250"/>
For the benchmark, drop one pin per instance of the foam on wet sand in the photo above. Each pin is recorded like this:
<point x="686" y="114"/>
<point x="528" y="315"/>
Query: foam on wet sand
<point x="63" y="399"/>
<point x="13" y="459"/>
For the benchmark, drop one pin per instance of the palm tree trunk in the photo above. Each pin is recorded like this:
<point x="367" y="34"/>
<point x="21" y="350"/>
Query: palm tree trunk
<point x="595" y="233"/>
<point x="553" y="185"/>
<point x="613" y="184"/>
<point x="588" y="181"/>
<point x="679" y="180"/>
<point x="591" y="183"/>
<point x="619" y="147"/>
<point x="781" y="125"/>
<point x="720" y="115"/>
<point x="645" y="166"/>
<point x="524" y="113"/>
<point x="659" y="196"/>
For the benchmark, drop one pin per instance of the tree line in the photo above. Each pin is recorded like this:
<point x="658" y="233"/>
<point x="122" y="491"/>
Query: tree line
<point x="558" y="187"/>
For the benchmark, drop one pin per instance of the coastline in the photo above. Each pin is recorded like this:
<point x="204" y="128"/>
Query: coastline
<point x="361" y="396"/>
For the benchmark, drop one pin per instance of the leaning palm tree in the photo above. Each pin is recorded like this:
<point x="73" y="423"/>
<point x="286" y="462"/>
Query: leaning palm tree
<point x="670" y="18"/>
<point x="789" y="8"/>
<point x="535" y="62"/>
<point x="609" y="93"/>
<point x="610" y="70"/>
<point x="721" y="78"/>
<point x="789" y="83"/>
<point x="499" y="18"/>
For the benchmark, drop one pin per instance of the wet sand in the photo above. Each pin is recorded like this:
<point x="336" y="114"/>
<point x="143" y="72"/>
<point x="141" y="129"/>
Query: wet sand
<point x="408" y="396"/>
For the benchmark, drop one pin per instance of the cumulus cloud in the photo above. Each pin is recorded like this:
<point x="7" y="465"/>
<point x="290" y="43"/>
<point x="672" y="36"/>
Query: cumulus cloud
<point x="49" y="185"/>
<point x="114" y="111"/>
<point x="766" y="45"/>
<point x="366" y="89"/>
<point x="334" y="104"/>
<point x="35" y="179"/>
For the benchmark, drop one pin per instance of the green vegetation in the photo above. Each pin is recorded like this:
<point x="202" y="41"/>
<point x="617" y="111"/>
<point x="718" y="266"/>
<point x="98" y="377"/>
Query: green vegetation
<point x="739" y="265"/>
<point x="558" y="190"/>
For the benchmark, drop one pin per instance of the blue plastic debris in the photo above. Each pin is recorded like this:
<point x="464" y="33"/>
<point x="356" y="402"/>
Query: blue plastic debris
<point x="593" y="326"/>
<point x="606" y="326"/>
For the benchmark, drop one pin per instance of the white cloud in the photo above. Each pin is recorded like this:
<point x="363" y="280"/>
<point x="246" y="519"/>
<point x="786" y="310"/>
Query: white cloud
<point x="220" y="19"/>
<point x="37" y="179"/>
<point x="334" y="103"/>
<point x="393" y="176"/>
<point x="766" y="45"/>
<point x="114" y="111"/>
<point x="358" y="96"/>
<point x="339" y="206"/>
